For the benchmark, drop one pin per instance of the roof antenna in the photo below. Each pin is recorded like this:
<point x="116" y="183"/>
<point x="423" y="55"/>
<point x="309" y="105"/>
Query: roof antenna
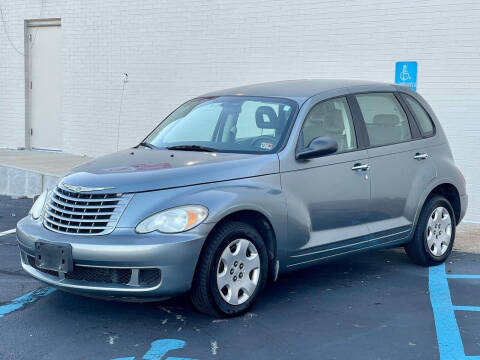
<point x="125" y="81"/>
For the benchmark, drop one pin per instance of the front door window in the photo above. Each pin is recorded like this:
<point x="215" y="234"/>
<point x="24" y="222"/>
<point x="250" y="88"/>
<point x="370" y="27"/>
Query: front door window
<point x="330" y="118"/>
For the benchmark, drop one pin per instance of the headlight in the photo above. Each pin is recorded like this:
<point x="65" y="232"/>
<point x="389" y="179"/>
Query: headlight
<point x="174" y="220"/>
<point x="36" y="210"/>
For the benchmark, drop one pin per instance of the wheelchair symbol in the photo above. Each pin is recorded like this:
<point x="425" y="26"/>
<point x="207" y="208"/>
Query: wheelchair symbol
<point x="159" y="349"/>
<point x="405" y="75"/>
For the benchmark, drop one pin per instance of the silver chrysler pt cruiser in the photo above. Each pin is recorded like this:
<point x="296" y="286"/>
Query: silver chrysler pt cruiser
<point x="237" y="186"/>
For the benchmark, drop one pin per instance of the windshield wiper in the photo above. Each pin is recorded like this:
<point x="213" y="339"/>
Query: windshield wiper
<point x="147" y="145"/>
<point x="192" y="148"/>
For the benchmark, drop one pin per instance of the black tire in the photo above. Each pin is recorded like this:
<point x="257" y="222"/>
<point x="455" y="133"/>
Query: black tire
<point x="204" y="294"/>
<point x="417" y="249"/>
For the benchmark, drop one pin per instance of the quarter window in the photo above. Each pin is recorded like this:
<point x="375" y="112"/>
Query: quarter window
<point x="422" y="117"/>
<point x="330" y="118"/>
<point x="385" y="120"/>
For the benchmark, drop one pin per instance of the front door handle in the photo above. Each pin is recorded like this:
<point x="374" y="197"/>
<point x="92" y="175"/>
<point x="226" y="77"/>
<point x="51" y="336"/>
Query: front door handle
<point x="360" y="167"/>
<point x="420" y="156"/>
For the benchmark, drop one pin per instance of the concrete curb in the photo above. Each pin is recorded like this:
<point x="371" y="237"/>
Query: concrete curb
<point x="19" y="182"/>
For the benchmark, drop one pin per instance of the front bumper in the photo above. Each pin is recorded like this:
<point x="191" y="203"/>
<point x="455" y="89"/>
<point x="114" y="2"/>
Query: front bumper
<point x="117" y="265"/>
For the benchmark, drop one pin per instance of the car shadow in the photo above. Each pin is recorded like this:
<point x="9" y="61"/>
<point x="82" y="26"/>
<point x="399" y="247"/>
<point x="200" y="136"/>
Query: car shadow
<point x="347" y="272"/>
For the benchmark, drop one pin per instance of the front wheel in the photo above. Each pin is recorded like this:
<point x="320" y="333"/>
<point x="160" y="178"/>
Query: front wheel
<point x="232" y="270"/>
<point x="434" y="235"/>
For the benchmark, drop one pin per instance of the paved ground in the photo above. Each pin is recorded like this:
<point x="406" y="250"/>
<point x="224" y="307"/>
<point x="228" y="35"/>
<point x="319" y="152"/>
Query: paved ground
<point x="374" y="305"/>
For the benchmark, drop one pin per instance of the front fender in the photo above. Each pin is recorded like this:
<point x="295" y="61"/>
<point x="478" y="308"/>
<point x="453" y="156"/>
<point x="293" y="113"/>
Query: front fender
<point x="262" y="194"/>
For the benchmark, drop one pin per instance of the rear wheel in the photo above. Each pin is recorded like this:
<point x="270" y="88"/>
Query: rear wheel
<point x="232" y="270"/>
<point x="434" y="235"/>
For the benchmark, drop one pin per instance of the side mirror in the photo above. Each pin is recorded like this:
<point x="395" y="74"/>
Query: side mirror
<point x="319" y="146"/>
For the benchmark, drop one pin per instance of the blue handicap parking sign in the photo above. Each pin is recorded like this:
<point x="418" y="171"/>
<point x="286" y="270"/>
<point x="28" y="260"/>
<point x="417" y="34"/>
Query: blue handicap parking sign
<point x="406" y="73"/>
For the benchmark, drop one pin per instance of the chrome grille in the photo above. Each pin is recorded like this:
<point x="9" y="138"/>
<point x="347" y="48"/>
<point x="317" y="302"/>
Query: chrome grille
<point x="83" y="213"/>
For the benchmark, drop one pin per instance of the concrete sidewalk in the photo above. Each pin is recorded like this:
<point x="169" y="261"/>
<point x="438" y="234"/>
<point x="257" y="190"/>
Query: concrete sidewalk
<point x="28" y="173"/>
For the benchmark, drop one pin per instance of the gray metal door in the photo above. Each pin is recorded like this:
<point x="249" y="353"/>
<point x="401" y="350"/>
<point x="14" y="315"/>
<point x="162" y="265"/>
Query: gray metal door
<point x="400" y="174"/>
<point x="328" y="202"/>
<point x="45" y="85"/>
<point x="399" y="166"/>
<point x="327" y="197"/>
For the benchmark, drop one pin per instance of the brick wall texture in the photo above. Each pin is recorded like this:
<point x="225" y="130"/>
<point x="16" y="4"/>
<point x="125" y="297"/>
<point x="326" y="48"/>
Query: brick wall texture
<point x="174" y="50"/>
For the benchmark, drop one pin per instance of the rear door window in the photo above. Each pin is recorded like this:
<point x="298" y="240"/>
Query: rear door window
<point x="385" y="120"/>
<point x="421" y="115"/>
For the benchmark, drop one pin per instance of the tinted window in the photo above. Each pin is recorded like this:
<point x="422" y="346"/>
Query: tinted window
<point x="423" y="119"/>
<point x="330" y="118"/>
<point x="384" y="117"/>
<point x="227" y="123"/>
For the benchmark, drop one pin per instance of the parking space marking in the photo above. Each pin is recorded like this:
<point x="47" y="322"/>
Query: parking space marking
<point x="20" y="302"/>
<point x="466" y="308"/>
<point x="159" y="348"/>
<point x="450" y="343"/>
<point x="11" y="231"/>
<point x="456" y="276"/>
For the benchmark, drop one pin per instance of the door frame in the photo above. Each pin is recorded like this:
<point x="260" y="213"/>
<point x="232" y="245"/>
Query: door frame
<point x="31" y="23"/>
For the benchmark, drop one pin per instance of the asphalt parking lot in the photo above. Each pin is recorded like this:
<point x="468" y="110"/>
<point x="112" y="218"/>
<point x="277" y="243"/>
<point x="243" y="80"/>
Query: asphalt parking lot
<point x="375" y="305"/>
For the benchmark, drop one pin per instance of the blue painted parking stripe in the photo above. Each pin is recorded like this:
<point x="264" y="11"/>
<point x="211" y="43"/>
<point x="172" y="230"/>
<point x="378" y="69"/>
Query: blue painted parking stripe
<point x="448" y="335"/>
<point x="466" y="308"/>
<point x="20" y="302"/>
<point x="449" y="340"/>
<point x="160" y="348"/>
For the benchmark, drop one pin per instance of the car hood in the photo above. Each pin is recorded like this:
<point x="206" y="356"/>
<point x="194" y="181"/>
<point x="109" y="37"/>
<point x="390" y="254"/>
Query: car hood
<point x="147" y="169"/>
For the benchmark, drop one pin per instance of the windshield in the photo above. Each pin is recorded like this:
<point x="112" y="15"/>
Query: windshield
<point x="226" y="124"/>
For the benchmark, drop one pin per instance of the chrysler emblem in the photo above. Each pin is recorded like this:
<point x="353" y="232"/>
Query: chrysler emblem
<point x="84" y="188"/>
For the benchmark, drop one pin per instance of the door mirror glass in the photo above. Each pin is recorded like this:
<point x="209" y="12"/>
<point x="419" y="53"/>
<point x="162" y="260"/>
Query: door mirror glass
<point x="318" y="147"/>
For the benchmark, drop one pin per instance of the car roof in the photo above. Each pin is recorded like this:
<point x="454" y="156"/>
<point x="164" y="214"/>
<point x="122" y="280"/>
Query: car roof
<point x="301" y="90"/>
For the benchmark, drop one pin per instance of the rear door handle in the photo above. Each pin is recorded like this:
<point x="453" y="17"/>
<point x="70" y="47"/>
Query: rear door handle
<point x="360" y="167"/>
<point x="420" y="156"/>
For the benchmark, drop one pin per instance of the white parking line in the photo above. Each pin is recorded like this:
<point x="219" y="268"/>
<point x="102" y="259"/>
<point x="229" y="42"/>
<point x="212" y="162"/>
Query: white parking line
<point x="11" y="231"/>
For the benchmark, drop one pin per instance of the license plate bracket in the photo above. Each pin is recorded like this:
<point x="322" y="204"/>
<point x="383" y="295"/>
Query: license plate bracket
<point x="54" y="257"/>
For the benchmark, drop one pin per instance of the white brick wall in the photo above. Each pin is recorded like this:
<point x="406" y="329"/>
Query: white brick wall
<point x="173" y="50"/>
